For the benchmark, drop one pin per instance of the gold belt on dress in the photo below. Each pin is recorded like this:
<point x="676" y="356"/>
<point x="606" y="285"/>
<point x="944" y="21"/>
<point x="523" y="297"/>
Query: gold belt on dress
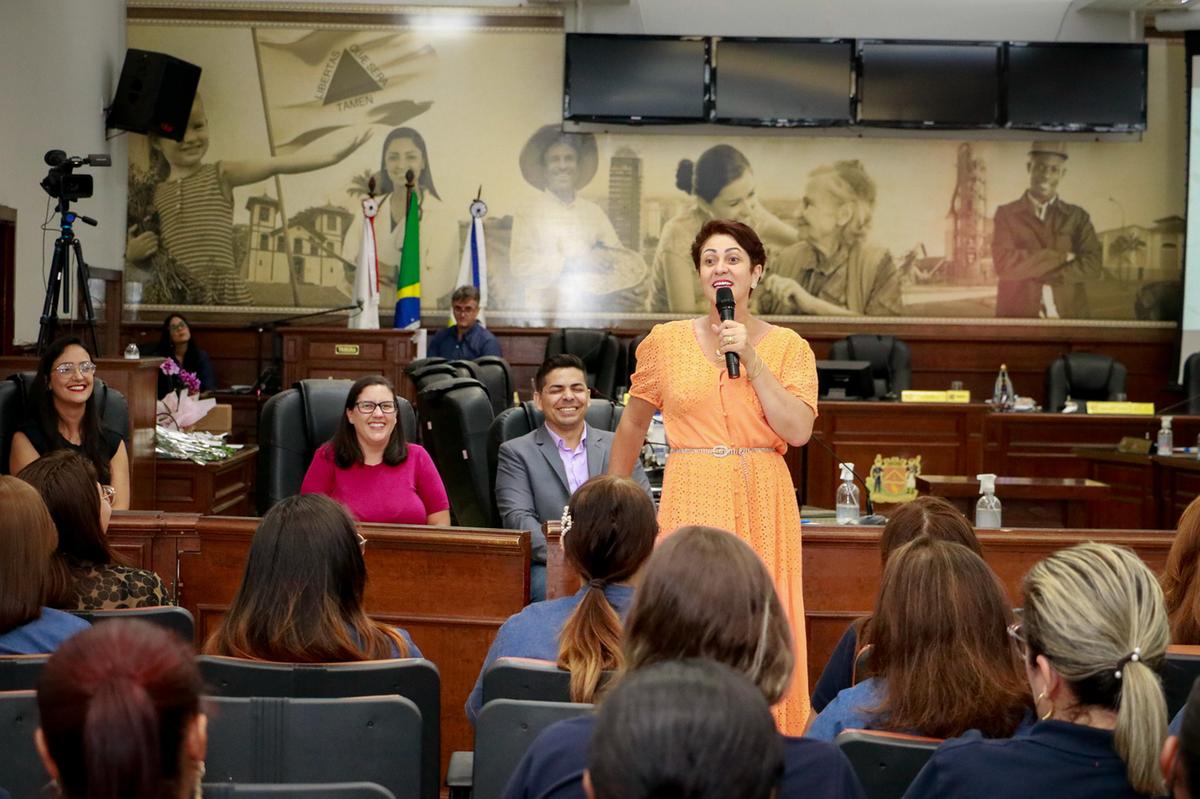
<point x="720" y="451"/>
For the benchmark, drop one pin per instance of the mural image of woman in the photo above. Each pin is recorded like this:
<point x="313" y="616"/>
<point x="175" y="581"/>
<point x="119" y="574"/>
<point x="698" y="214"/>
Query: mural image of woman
<point x="723" y="184"/>
<point x="564" y="248"/>
<point x="833" y="263"/>
<point x="405" y="149"/>
<point x="193" y="203"/>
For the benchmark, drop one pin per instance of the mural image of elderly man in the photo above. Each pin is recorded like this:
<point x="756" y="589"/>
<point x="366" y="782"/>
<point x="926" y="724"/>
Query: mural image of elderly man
<point x="405" y="149"/>
<point x="723" y="184"/>
<point x="833" y="270"/>
<point x="1044" y="250"/>
<point x="564" y="251"/>
<point x="466" y="339"/>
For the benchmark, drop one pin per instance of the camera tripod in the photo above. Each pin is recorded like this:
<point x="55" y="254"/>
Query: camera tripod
<point x="60" y="281"/>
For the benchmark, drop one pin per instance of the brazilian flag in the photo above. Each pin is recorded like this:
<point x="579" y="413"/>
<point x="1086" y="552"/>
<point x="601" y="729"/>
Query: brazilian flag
<point x="408" y="281"/>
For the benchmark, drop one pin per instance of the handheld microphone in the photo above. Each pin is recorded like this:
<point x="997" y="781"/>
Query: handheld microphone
<point x="871" y="518"/>
<point x="725" y="306"/>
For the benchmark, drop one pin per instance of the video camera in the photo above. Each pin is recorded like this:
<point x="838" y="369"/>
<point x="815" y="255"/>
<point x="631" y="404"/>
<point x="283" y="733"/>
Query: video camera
<point x="62" y="183"/>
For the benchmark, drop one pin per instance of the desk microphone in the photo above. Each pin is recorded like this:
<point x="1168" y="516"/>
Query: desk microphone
<point x="872" y="518"/>
<point x="1173" y="406"/>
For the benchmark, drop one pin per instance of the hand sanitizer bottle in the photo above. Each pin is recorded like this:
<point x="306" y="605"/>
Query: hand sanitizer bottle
<point x="847" y="497"/>
<point x="987" y="509"/>
<point x="1166" y="438"/>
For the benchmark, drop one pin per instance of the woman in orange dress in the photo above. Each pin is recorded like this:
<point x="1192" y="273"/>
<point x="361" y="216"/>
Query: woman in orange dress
<point x="728" y="435"/>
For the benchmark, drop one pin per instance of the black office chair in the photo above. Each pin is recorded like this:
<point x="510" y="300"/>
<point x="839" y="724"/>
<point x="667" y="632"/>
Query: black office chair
<point x="631" y="362"/>
<point x="341" y="790"/>
<point x="496" y="376"/>
<point x="886" y="762"/>
<point x="415" y="679"/>
<point x="455" y="416"/>
<point x="1181" y="669"/>
<point x="275" y="740"/>
<point x="294" y="424"/>
<point x="1191" y="383"/>
<point x="1083" y="376"/>
<point x="21" y="771"/>
<point x="21" y="672"/>
<point x="422" y="378"/>
<point x="527" y="679"/>
<point x="891" y="360"/>
<point x="177" y="620"/>
<point x="599" y="350"/>
<point x="420" y="363"/>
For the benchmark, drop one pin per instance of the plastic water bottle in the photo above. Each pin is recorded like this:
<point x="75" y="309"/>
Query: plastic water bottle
<point x="1166" y="438"/>
<point x="132" y="353"/>
<point x="987" y="509"/>
<point x="846" y="501"/>
<point x="1003" y="395"/>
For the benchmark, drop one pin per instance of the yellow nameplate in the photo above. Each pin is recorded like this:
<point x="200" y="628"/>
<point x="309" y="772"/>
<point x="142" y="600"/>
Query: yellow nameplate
<point x="345" y="349"/>
<point x="913" y="395"/>
<point x="1125" y="408"/>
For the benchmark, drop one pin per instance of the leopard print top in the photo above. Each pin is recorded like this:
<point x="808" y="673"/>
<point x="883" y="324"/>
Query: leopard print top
<point x="112" y="586"/>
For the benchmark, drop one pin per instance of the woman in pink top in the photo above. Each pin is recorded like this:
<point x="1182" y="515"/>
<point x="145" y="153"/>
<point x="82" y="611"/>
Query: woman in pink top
<point x="371" y="469"/>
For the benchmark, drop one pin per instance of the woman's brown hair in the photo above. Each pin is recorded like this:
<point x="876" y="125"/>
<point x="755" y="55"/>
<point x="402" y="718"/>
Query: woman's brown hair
<point x="67" y="483"/>
<point x="941" y="645"/>
<point x="300" y="600"/>
<point x="704" y="593"/>
<point x="27" y="541"/>
<point x="612" y="532"/>
<point x="1181" y="589"/>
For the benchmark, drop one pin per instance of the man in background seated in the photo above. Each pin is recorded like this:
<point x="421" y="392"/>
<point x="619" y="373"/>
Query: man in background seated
<point x="537" y="473"/>
<point x="466" y="339"/>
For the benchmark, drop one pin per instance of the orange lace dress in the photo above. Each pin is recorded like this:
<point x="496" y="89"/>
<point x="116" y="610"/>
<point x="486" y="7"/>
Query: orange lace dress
<point x="752" y="493"/>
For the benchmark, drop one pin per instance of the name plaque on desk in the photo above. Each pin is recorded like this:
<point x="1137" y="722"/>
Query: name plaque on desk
<point x="347" y="349"/>
<point x="913" y="395"/>
<point x="1120" y="408"/>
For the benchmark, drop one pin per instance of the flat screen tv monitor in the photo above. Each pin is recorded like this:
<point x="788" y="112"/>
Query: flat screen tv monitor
<point x="635" y="79"/>
<point x="782" y="83"/>
<point x="845" y="380"/>
<point x="929" y="85"/>
<point x="1099" y="87"/>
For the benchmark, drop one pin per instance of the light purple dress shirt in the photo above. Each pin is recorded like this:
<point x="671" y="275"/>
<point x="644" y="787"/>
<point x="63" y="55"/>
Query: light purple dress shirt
<point x="574" y="461"/>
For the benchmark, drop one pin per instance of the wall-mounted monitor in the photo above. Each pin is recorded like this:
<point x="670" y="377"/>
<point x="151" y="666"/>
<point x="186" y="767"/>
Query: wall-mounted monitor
<point x="782" y="83"/>
<point x="635" y="79"/>
<point x="1071" y="86"/>
<point x="929" y="85"/>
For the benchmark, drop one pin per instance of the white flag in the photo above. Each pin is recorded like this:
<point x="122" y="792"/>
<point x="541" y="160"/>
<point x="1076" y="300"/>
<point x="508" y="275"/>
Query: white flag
<point x="472" y="269"/>
<point x="366" y="276"/>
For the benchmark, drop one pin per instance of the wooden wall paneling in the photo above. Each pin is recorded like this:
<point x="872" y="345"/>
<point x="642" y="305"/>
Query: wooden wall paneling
<point x="1131" y="500"/>
<point x="1180" y="478"/>
<point x="343" y="354"/>
<point x="233" y="350"/>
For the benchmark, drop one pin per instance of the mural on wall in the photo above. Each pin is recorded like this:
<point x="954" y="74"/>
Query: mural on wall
<point x="259" y="206"/>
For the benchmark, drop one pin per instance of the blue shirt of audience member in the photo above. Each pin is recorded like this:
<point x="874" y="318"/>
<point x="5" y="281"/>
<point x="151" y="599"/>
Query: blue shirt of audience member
<point x="42" y="635"/>
<point x="838" y="673"/>
<point x="475" y="343"/>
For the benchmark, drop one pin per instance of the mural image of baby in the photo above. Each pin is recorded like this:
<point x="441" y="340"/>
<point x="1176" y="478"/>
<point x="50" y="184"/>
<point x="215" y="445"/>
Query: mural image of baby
<point x="193" y="201"/>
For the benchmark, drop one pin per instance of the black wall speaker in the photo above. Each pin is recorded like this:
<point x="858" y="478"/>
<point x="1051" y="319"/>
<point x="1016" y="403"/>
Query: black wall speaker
<point x="154" y="94"/>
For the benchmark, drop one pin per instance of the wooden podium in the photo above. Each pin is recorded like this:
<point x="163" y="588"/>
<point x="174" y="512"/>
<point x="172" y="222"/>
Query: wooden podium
<point x="344" y="354"/>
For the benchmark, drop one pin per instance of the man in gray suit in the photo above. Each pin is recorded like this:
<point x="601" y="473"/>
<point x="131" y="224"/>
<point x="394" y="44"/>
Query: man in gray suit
<point x="537" y="473"/>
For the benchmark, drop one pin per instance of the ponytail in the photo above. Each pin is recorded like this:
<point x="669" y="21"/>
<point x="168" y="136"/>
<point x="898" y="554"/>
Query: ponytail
<point x="121" y="743"/>
<point x="590" y="643"/>
<point x="1141" y="727"/>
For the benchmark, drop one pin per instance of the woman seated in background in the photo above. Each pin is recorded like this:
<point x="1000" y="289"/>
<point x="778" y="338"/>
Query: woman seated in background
<point x="702" y="594"/>
<point x="371" y="469"/>
<point x="1093" y="633"/>
<point x="62" y="414"/>
<point x="940" y="663"/>
<point x="87" y="572"/>
<point x="120" y="715"/>
<point x="27" y="543"/>
<point x="931" y="516"/>
<point x="1181" y="589"/>
<point x="300" y="600"/>
<point x="176" y="343"/>
<point x="665" y="720"/>
<point x="608" y="532"/>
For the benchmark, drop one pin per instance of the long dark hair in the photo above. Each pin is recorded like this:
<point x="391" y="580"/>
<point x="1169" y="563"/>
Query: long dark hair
<point x="346" y="451"/>
<point x="425" y="181"/>
<point x="43" y="412"/>
<point x="166" y="347"/>
<point x="716" y="168"/>
<point x="612" y="533"/>
<point x="300" y="600"/>
<point x="27" y="542"/>
<point x="115" y="703"/>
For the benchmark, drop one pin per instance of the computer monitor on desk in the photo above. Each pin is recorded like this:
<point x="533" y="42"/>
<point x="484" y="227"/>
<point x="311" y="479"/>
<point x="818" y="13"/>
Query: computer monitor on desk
<point x="845" y="380"/>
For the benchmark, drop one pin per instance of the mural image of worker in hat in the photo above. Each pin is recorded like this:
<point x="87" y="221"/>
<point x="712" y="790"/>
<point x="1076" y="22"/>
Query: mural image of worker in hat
<point x="564" y="250"/>
<point x="1044" y="250"/>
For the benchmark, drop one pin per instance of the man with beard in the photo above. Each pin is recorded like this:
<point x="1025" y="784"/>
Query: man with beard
<point x="1044" y="250"/>
<point x="537" y="473"/>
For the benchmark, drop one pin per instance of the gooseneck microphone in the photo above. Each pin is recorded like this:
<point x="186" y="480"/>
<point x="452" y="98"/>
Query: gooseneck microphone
<point x="725" y="306"/>
<point x="871" y="518"/>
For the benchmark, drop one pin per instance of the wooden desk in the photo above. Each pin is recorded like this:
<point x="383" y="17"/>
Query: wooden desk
<point x="341" y="353"/>
<point x="1146" y="490"/>
<point x="1037" y="502"/>
<point x="220" y="488"/>
<point x="137" y="380"/>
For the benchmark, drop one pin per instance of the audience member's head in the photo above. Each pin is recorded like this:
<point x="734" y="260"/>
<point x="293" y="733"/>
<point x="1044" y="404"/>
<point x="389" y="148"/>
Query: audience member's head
<point x="1094" y="631"/>
<point x="120" y="714"/>
<point x="1180" y="759"/>
<point x="693" y="729"/>
<point x="300" y="600"/>
<point x="27" y="543"/>
<point x="1181" y="589"/>
<point x="371" y="421"/>
<point x="940" y="647"/>
<point x="612" y="531"/>
<point x="931" y="516"/>
<point x="705" y="594"/>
